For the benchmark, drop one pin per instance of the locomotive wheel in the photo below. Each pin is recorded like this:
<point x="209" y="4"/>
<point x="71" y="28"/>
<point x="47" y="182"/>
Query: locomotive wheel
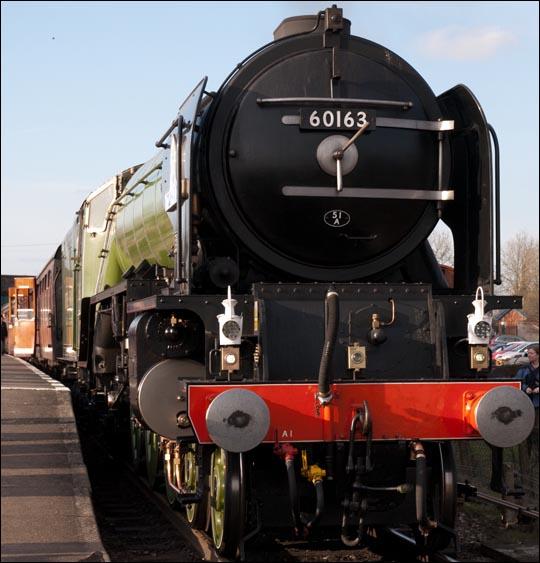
<point x="137" y="443"/>
<point x="171" y="466"/>
<point x="442" y="498"/>
<point x="151" y="441"/>
<point x="227" y="501"/>
<point x="196" y="513"/>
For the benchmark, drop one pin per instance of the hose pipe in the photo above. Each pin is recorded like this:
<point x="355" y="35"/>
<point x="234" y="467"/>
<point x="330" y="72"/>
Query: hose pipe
<point x="299" y="527"/>
<point x="320" y="504"/>
<point x="421" y="486"/>
<point x="330" y="335"/>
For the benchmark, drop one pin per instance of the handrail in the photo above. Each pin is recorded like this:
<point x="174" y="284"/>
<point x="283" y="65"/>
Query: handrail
<point x="497" y="280"/>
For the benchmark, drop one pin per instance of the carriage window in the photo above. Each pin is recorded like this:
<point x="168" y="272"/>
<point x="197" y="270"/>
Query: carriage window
<point x="97" y="208"/>
<point x="25" y="304"/>
<point x="12" y="308"/>
<point x="25" y="314"/>
<point x="22" y="301"/>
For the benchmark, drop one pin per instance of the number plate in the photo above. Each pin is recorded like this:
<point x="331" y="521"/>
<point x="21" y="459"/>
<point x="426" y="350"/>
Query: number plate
<point x="341" y="119"/>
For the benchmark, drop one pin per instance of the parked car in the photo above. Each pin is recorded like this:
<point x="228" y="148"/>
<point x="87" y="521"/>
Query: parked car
<point x="506" y="348"/>
<point x="518" y="361"/>
<point x="504" y="339"/>
<point x="498" y="347"/>
<point x="511" y="357"/>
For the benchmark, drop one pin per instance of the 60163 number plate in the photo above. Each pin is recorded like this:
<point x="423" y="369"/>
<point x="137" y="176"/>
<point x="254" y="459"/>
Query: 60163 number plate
<point x="341" y="119"/>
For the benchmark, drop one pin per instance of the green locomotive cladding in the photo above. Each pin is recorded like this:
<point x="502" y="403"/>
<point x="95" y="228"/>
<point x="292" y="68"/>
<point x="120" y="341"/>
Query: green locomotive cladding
<point x="118" y="226"/>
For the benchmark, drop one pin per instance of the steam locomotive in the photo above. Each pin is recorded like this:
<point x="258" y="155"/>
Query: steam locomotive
<point x="259" y="304"/>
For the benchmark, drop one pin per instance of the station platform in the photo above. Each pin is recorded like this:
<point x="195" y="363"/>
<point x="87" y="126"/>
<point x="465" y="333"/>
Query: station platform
<point x="47" y="512"/>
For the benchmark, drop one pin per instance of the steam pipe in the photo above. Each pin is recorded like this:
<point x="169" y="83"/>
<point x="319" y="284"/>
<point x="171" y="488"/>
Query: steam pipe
<point x="331" y="329"/>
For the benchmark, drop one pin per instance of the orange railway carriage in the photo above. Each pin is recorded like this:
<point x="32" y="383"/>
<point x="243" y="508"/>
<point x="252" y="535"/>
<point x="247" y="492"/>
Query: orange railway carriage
<point x="22" y="317"/>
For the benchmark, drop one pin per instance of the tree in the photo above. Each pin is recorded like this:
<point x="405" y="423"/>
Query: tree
<point x="442" y="244"/>
<point x="520" y="272"/>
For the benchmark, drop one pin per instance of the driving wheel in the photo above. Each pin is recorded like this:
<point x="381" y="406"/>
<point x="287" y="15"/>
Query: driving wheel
<point x="227" y="501"/>
<point x="441" y="498"/>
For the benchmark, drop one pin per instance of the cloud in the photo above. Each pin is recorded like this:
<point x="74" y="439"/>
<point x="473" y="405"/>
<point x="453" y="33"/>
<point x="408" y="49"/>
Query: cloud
<point x="459" y="44"/>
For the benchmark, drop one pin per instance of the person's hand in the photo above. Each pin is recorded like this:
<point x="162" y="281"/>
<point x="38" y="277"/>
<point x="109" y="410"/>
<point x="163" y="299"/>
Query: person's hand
<point x="528" y="391"/>
<point x="535" y="390"/>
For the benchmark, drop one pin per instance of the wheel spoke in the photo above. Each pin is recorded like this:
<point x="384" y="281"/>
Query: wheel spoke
<point x="194" y="512"/>
<point x="152" y="457"/>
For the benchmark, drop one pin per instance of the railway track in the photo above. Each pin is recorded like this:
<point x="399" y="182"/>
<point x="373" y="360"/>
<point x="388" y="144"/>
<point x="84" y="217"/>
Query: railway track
<point x="137" y="524"/>
<point x="519" y="509"/>
<point x="134" y="527"/>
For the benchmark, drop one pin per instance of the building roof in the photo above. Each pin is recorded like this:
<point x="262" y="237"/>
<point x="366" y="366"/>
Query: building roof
<point x="502" y="314"/>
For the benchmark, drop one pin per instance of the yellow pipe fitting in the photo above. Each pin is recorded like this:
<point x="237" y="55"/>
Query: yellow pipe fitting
<point x="312" y="473"/>
<point x="315" y="474"/>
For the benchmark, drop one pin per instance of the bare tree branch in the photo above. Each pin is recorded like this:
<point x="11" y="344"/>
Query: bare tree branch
<point x="442" y="244"/>
<point x="520" y="272"/>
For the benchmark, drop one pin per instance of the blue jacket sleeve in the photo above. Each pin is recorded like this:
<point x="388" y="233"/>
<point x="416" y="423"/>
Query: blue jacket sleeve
<point x="521" y="375"/>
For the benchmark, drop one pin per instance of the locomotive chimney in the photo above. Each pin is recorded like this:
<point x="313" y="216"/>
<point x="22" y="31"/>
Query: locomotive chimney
<point x="329" y="19"/>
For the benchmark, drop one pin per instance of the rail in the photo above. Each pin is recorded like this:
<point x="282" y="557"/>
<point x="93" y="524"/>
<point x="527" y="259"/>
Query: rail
<point x="525" y="511"/>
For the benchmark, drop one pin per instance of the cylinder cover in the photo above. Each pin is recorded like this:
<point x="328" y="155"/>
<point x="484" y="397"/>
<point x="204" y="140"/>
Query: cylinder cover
<point x="161" y="395"/>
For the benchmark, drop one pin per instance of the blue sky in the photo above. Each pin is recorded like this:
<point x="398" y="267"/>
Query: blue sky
<point x="88" y="87"/>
